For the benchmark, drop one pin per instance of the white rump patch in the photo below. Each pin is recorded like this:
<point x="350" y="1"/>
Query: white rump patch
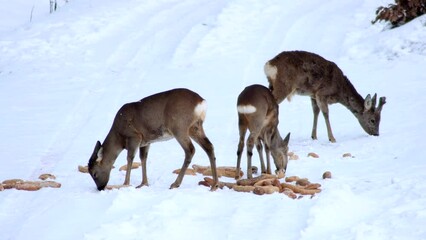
<point x="246" y="109"/>
<point x="200" y="110"/>
<point x="271" y="71"/>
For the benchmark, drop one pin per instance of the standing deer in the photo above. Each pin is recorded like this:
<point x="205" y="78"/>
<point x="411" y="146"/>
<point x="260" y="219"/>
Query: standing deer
<point x="305" y="73"/>
<point x="178" y="113"/>
<point x="258" y="112"/>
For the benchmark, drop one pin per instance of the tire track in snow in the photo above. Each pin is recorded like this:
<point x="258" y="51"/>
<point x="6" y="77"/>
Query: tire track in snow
<point x="137" y="42"/>
<point x="161" y="35"/>
<point x="79" y="119"/>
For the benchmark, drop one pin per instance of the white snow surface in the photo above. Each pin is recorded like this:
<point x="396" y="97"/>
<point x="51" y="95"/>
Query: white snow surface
<point x="63" y="76"/>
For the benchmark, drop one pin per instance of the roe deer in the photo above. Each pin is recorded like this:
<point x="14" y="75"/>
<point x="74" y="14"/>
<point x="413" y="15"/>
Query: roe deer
<point x="177" y="113"/>
<point x="305" y="73"/>
<point x="258" y="112"/>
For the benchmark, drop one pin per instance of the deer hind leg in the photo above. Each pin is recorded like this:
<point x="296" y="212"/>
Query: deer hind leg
<point x="268" y="159"/>
<point x="251" y="141"/>
<point x="316" y="111"/>
<point x="259" y="147"/>
<point x="143" y="154"/>
<point x="324" y="109"/>
<point x="189" y="150"/>
<point x="197" y="134"/>
<point x="243" y="131"/>
<point x="131" y="146"/>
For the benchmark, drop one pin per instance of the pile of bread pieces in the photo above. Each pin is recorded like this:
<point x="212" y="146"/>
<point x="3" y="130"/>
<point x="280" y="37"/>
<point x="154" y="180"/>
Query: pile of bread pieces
<point x="20" y="184"/>
<point x="294" y="187"/>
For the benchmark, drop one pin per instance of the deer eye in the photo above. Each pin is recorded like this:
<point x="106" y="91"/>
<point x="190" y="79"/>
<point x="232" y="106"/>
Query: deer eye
<point x="373" y="121"/>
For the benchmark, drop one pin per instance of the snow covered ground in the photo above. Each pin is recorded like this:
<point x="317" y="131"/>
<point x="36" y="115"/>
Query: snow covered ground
<point x="63" y="77"/>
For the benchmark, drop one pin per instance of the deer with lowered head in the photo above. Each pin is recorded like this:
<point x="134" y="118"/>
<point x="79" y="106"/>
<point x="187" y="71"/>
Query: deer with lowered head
<point x="177" y="113"/>
<point x="258" y="112"/>
<point x="305" y="73"/>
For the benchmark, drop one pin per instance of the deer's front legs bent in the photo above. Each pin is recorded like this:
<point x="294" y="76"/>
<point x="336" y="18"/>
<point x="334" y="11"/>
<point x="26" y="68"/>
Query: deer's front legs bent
<point x="143" y="154"/>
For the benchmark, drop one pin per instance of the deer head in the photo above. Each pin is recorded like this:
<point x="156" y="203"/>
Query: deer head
<point x="279" y="154"/>
<point x="369" y="119"/>
<point x="99" y="172"/>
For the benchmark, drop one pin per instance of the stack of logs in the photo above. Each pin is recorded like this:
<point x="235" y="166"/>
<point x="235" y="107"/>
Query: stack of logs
<point x="20" y="184"/>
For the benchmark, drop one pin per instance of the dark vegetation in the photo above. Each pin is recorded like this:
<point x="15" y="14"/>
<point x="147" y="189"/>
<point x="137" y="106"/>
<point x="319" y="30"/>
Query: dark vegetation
<point x="401" y="12"/>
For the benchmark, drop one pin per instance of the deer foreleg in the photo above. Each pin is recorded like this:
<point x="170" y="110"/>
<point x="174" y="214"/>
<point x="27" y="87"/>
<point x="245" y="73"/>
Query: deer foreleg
<point x="143" y="154"/>
<point x="131" y="147"/>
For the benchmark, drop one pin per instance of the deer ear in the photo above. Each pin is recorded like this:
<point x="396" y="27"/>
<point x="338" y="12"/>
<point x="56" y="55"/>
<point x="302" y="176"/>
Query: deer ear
<point x="382" y="101"/>
<point x="99" y="154"/>
<point x="374" y="100"/>
<point x="96" y="155"/>
<point x="368" y="103"/>
<point x="286" y="139"/>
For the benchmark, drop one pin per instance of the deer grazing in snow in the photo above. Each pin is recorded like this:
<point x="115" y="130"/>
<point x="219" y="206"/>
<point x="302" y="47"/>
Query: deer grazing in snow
<point x="178" y="113"/>
<point x="305" y="73"/>
<point x="258" y="112"/>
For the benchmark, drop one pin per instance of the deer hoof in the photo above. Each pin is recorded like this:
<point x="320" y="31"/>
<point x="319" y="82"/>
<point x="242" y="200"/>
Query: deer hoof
<point x="174" y="185"/>
<point x="142" y="184"/>
<point x="214" y="187"/>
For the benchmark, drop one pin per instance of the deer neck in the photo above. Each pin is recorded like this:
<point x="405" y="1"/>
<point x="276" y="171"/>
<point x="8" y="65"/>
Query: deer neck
<point x="351" y="99"/>
<point x="276" y="139"/>
<point x="112" y="147"/>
